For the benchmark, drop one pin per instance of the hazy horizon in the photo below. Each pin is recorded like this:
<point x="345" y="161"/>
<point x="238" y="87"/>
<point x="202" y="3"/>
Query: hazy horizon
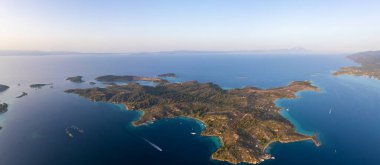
<point x="208" y="25"/>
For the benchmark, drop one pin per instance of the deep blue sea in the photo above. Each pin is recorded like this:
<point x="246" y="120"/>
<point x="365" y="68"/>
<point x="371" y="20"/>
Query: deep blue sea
<point x="345" y="114"/>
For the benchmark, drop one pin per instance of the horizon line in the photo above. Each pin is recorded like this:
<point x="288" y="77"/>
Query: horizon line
<point x="296" y="50"/>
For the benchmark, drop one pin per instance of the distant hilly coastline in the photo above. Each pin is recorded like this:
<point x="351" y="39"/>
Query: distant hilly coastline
<point x="240" y="52"/>
<point x="182" y="52"/>
<point x="369" y="65"/>
<point x="34" y="53"/>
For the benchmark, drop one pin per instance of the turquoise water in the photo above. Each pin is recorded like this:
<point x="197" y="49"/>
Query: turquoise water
<point x="34" y="126"/>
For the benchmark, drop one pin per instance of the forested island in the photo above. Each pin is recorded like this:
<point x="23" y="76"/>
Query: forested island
<point x="246" y="120"/>
<point x="75" y="79"/>
<point x="369" y="65"/>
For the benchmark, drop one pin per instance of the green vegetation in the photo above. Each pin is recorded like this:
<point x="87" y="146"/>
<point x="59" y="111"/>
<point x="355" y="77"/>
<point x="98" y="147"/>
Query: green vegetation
<point x="370" y="65"/>
<point x="246" y="120"/>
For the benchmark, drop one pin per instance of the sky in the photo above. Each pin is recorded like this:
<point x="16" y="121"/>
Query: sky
<point x="165" y="25"/>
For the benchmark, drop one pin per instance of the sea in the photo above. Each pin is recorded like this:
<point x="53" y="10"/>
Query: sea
<point x="345" y="114"/>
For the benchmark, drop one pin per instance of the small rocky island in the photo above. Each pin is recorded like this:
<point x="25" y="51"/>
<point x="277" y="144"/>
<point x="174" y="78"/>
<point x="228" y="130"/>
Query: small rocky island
<point x="3" y="88"/>
<point x="75" y="79"/>
<point x="38" y="86"/>
<point x="246" y="120"/>
<point x="3" y="107"/>
<point x="22" y="95"/>
<point x="127" y="79"/>
<point x="370" y="65"/>
<point x="172" y="75"/>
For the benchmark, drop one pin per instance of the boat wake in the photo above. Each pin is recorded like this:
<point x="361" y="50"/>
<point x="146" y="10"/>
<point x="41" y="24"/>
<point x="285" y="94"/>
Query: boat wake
<point x="153" y="145"/>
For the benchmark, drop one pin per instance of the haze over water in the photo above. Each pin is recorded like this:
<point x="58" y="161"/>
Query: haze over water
<point x="34" y="126"/>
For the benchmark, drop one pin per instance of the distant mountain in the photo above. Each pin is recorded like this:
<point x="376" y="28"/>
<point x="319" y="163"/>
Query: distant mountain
<point x="34" y="53"/>
<point x="270" y="51"/>
<point x="182" y="52"/>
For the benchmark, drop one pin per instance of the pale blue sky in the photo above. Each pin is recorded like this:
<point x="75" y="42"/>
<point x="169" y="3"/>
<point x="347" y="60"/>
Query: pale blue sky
<point x="160" y="25"/>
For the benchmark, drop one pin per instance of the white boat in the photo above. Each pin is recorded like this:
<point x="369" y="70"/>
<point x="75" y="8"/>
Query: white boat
<point x="193" y="133"/>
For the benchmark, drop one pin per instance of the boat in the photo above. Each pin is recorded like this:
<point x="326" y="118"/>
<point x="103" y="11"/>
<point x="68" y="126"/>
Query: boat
<point x="193" y="133"/>
<point x="70" y="131"/>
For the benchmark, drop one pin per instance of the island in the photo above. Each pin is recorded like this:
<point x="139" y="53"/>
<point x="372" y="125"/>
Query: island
<point x="22" y="95"/>
<point x="75" y="79"/>
<point x="3" y="107"/>
<point x="3" y="88"/>
<point x="369" y="65"/>
<point x="92" y="83"/>
<point x="38" y="86"/>
<point x="246" y="120"/>
<point x="172" y="75"/>
<point x="128" y="78"/>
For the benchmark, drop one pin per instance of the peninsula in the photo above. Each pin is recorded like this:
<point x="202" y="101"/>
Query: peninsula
<point x="246" y="120"/>
<point x="3" y="88"/>
<point x="369" y="65"/>
<point x="75" y="79"/>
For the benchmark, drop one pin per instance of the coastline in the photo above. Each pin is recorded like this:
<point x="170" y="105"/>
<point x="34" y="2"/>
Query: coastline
<point x="218" y="142"/>
<point x="311" y="135"/>
<point x="222" y="152"/>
